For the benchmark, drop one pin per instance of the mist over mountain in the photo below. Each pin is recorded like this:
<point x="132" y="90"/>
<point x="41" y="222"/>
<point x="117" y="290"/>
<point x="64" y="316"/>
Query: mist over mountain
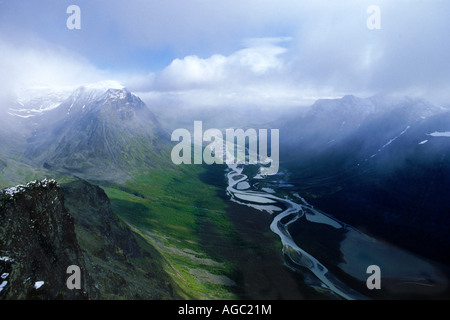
<point x="98" y="130"/>
<point x="101" y="132"/>
<point x="379" y="163"/>
<point x="330" y="121"/>
<point x="357" y="93"/>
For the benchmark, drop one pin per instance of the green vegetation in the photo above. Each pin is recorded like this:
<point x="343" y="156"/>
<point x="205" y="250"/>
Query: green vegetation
<point x="175" y="212"/>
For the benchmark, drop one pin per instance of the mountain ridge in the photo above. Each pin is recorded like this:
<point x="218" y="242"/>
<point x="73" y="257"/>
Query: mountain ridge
<point x="385" y="174"/>
<point x="94" y="132"/>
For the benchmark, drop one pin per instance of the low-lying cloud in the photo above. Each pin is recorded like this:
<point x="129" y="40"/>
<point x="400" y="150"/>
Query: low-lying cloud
<point x="253" y="76"/>
<point x="25" y="67"/>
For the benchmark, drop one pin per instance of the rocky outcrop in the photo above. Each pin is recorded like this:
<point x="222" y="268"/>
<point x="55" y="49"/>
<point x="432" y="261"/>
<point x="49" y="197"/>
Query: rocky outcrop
<point x="45" y="228"/>
<point x="120" y="263"/>
<point x="37" y="243"/>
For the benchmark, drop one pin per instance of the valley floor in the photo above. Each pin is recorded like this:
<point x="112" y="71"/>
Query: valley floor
<point x="214" y="248"/>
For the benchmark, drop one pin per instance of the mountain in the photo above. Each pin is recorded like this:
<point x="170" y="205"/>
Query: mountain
<point x="381" y="164"/>
<point x="353" y="131"/>
<point x="48" y="227"/>
<point x="101" y="132"/>
<point x="97" y="132"/>
<point x="119" y="262"/>
<point x="329" y="121"/>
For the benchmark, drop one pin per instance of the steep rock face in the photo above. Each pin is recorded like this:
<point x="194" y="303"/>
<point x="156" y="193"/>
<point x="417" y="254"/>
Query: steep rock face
<point x="37" y="243"/>
<point x="45" y="228"/>
<point x="120" y="263"/>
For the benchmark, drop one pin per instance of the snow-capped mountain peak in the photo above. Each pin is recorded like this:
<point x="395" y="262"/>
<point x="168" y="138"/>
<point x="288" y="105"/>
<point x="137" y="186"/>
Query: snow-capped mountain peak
<point x="96" y="90"/>
<point x="31" y="102"/>
<point x="37" y="100"/>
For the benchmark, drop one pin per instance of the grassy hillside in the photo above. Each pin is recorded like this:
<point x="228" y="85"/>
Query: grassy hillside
<point x="173" y="209"/>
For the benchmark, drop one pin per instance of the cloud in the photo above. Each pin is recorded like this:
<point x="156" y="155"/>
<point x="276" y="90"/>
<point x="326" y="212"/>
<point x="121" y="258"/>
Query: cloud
<point x="43" y="65"/>
<point x="192" y="72"/>
<point x="250" y="76"/>
<point x="257" y="50"/>
<point x="322" y="49"/>
<point x="249" y="64"/>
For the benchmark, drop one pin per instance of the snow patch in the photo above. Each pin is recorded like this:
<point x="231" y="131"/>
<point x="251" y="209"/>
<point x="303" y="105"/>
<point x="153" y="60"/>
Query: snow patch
<point x="440" y="134"/>
<point x="21" y="188"/>
<point x="390" y="141"/>
<point x="18" y="115"/>
<point x="31" y="102"/>
<point x="6" y="259"/>
<point x="38" y="284"/>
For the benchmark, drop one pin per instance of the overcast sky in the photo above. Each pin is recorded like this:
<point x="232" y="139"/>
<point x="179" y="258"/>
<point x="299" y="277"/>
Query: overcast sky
<point x="248" y="52"/>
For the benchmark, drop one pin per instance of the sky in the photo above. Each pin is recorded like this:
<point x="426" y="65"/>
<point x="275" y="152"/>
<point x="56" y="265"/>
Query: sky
<point x="283" y="53"/>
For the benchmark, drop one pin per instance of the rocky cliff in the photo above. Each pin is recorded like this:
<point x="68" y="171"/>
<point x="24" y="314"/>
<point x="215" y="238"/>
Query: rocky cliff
<point x="45" y="228"/>
<point x="120" y="263"/>
<point x="37" y="243"/>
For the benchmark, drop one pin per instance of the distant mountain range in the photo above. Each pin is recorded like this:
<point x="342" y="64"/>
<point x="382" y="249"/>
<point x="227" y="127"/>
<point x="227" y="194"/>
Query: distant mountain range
<point x="380" y="163"/>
